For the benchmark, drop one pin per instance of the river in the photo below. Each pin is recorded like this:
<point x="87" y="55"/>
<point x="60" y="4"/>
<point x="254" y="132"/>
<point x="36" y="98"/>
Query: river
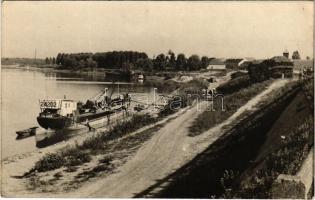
<point x="23" y="88"/>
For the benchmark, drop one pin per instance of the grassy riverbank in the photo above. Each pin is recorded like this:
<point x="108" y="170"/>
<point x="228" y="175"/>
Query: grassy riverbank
<point x="81" y="153"/>
<point x="232" y="102"/>
<point x="220" y="164"/>
<point x="283" y="152"/>
<point x="102" y="152"/>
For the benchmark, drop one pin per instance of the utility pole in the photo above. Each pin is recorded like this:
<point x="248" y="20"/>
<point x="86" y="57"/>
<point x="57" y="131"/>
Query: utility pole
<point x="35" y="56"/>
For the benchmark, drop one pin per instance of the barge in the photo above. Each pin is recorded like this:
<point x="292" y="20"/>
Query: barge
<point x="61" y="114"/>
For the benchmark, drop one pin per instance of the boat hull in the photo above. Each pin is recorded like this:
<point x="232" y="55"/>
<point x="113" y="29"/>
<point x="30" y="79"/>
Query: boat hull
<point x="61" y="122"/>
<point x="55" y="123"/>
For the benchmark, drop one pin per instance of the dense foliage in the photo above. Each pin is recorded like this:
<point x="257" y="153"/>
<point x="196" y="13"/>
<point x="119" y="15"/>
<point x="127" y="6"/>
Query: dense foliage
<point x="21" y="61"/>
<point x="235" y="85"/>
<point x="182" y="98"/>
<point x="130" y="60"/>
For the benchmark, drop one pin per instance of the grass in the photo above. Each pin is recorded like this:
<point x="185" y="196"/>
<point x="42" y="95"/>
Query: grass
<point x="213" y="167"/>
<point x="181" y="99"/>
<point x="232" y="103"/>
<point x="287" y="159"/>
<point x="121" y="129"/>
<point x="284" y="158"/>
<point x="163" y="86"/>
<point x="235" y="85"/>
<point x="239" y="146"/>
<point x="79" y="154"/>
<point x="166" y="86"/>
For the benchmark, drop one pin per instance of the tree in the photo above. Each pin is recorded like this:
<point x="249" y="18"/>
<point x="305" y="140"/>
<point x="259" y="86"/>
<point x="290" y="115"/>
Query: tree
<point x="180" y="61"/>
<point x="90" y="63"/>
<point x="193" y="62"/>
<point x="114" y="59"/>
<point x="47" y="60"/>
<point x="160" y="62"/>
<point x="53" y="60"/>
<point x="296" y="55"/>
<point x="145" y="64"/>
<point x="127" y="66"/>
<point x="172" y="60"/>
<point x="204" y="62"/>
<point x="70" y="62"/>
<point x="58" y="59"/>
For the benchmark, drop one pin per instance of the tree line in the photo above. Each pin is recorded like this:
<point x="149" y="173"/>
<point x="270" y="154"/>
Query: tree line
<point x="132" y="60"/>
<point x="50" y="61"/>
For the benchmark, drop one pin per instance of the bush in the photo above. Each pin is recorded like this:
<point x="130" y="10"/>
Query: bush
<point x="163" y="86"/>
<point x="50" y="161"/>
<point x="235" y="85"/>
<point x="99" y="141"/>
<point x="74" y="156"/>
<point x="181" y="100"/>
<point x="238" y="74"/>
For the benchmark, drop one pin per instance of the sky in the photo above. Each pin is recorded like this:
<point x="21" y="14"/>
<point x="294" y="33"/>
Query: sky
<point x="213" y="29"/>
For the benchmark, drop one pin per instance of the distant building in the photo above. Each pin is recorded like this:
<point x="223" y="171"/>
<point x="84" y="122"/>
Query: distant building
<point x="281" y="66"/>
<point x="216" y="64"/>
<point x="296" y="55"/>
<point x="286" y="54"/>
<point x="276" y="67"/>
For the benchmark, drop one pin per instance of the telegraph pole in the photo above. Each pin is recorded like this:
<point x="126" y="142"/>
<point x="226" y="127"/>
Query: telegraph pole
<point x="35" y="56"/>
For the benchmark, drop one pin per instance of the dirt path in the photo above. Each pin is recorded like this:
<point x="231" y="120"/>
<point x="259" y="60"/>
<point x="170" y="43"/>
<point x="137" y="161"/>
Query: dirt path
<point x="201" y="142"/>
<point x="165" y="152"/>
<point x="169" y="149"/>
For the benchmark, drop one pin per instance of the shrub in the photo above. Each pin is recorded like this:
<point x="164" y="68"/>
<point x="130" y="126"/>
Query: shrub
<point x="162" y="85"/>
<point x="74" y="156"/>
<point x="238" y="74"/>
<point x="181" y="100"/>
<point x="50" y="161"/>
<point x="235" y="85"/>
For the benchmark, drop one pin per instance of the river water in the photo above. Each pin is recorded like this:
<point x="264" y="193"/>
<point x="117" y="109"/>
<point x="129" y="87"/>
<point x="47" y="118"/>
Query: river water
<point x="23" y="88"/>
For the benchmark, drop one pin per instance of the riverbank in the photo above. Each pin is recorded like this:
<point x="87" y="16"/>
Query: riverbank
<point x="25" y="163"/>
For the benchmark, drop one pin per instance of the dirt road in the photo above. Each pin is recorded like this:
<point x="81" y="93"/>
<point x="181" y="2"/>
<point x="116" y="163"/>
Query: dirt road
<point x="169" y="149"/>
<point x="166" y="151"/>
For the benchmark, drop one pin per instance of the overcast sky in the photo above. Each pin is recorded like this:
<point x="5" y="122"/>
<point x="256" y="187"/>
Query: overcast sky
<point x="214" y="29"/>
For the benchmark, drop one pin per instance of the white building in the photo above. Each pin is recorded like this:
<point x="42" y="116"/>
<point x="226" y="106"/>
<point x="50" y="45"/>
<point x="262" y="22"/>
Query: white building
<point x="216" y="64"/>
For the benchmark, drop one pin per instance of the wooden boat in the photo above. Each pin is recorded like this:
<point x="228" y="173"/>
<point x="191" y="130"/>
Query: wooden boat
<point x="26" y="133"/>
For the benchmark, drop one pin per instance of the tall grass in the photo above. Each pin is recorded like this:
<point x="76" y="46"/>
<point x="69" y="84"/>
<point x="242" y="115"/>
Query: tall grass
<point x="235" y="85"/>
<point x="284" y="159"/>
<point x="78" y="154"/>
<point x="163" y="86"/>
<point x="99" y="141"/>
<point x="181" y="99"/>
<point x="231" y="104"/>
<point x="287" y="159"/>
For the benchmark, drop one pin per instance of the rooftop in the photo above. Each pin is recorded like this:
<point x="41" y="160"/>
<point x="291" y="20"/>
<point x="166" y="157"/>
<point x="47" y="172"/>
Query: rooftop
<point x="281" y="59"/>
<point x="217" y="61"/>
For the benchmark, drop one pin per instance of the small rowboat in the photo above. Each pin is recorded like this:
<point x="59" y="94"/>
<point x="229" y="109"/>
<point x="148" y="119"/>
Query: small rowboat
<point x="26" y="133"/>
